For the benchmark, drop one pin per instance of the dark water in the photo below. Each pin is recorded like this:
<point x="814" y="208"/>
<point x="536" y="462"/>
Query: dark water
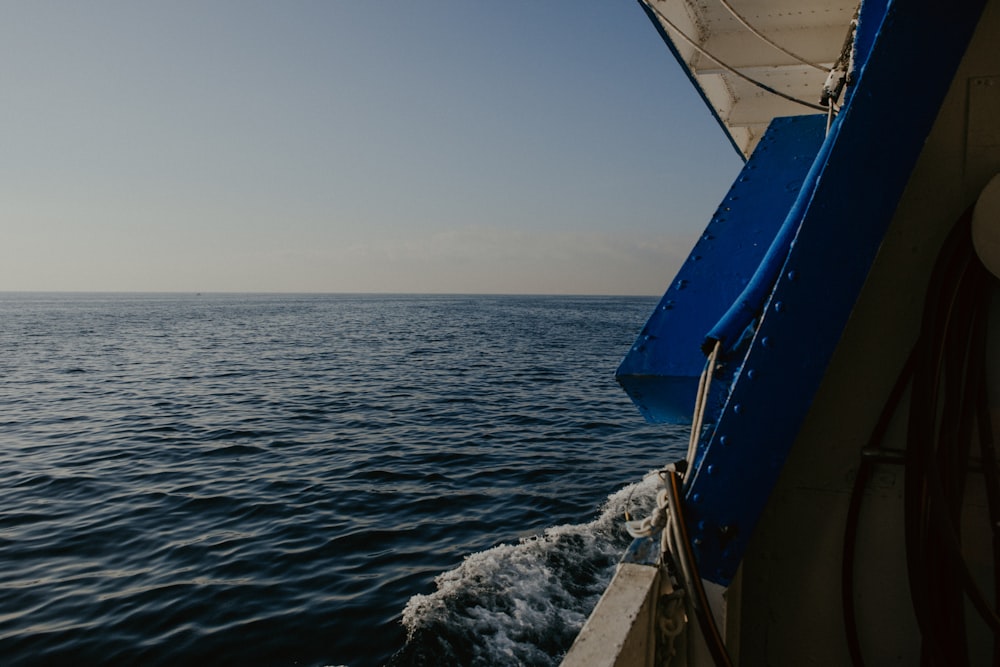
<point x="311" y="480"/>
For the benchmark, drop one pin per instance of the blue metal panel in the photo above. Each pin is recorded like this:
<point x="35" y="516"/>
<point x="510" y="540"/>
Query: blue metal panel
<point x="661" y="370"/>
<point x="869" y="22"/>
<point x="730" y="329"/>
<point x="878" y="142"/>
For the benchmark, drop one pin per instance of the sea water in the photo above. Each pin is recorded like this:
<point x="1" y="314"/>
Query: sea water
<point x="314" y="479"/>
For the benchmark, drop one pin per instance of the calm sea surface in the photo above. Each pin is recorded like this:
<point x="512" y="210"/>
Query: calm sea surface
<point x="312" y="480"/>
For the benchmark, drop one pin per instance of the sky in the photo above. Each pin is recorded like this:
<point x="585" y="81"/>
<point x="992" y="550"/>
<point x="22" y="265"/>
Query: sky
<point x="440" y="146"/>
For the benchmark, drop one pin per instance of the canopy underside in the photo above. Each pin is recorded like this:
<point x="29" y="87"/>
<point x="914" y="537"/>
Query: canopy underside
<point x="731" y="46"/>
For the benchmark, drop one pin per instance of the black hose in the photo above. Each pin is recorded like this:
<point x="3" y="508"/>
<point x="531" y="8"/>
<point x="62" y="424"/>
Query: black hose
<point x="989" y="462"/>
<point x="935" y="462"/>
<point x="921" y="436"/>
<point x="946" y="373"/>
<point x="695" y="589"/>
<point x="854" y="511"/>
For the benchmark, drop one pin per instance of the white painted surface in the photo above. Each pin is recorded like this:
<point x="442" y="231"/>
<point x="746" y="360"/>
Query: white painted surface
<point x="986" y="226"/>
<point x="812" y="29"/>
<point x="621" y="630"/>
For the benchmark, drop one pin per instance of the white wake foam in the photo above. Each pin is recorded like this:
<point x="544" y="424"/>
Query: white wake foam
<point x="524" y="603"/>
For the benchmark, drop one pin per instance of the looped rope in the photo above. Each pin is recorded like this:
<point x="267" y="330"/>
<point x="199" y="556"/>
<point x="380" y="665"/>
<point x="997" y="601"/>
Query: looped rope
<point x="656" y="521"/>
<point x="671" y="620"/>
<point x="653" y="523"/>
<point x="657" y="518"/>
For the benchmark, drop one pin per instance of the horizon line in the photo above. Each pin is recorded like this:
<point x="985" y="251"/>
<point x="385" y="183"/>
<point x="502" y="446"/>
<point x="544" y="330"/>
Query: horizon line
<point x="315" y="293"/>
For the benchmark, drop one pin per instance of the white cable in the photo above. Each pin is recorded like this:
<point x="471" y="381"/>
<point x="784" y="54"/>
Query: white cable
<point x="766" y="39"/>
<point x="732" y="70"/>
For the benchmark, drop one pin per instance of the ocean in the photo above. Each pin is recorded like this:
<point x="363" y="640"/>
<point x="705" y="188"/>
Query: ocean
<point x="313" y="479"/>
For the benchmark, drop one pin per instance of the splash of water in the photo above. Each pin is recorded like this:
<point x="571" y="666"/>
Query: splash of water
<point x="524" y="603"/>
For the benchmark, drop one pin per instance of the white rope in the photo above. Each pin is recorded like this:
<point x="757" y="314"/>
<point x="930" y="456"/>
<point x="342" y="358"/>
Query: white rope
<point x="841" y="72"/>
<point x="653" y="523"/>
<point x="658" y="518"/>
<point x="700" y="402"/>
<point x="671" y="620"/>
<point x="671" y="543"/>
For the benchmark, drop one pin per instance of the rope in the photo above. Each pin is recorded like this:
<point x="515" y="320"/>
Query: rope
<point x="843" y="70"/>
<point x="677" y="528"/>
<point x="732" y="70"/>
<point x="668" y="520"/>
<point x="653" y="523"/>
<point x="701" y="400"/>
<point x="671" y="622"/>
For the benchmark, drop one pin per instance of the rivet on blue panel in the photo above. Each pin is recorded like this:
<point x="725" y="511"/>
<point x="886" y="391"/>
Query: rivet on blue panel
<point x="672" y="362"/>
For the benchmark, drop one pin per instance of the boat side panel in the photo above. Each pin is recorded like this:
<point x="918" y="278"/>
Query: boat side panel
<point x="793" y="561"/>
<point x="880" y="139"/>
<point x="661" y="370"/>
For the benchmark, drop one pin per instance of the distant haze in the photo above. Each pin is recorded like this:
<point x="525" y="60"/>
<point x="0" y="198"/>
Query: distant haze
<point x="306" y="146"/>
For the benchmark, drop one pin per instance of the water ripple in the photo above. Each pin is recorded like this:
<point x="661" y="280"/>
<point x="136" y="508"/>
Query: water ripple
<point x="269" y="479"/>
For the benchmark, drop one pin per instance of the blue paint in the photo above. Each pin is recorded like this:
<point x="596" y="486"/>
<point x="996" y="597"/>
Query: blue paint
<point x="661" y="371"/>
<point x="747" y="307"/>
<point x="881" y="134"/>
<point x="870" y="18"/>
